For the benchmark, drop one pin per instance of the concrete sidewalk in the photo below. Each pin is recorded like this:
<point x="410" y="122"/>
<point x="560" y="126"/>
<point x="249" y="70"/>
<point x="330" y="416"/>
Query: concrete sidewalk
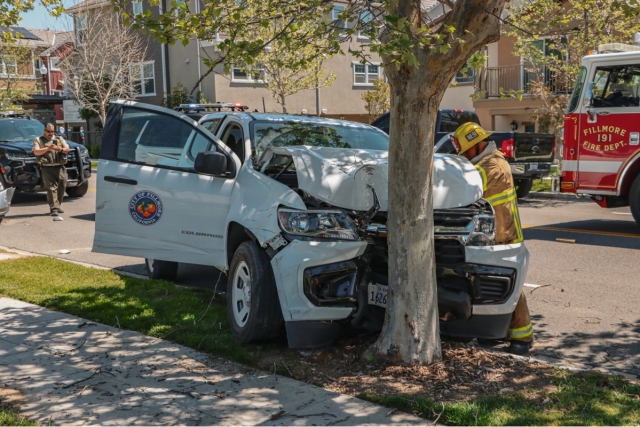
<point x="68" y="370"/>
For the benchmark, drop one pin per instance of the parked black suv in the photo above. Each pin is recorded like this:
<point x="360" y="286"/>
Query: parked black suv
<point x="18" y="166"/>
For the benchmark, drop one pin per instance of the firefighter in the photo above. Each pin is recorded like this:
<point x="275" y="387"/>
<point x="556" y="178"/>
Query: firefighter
<point x="471" y="141"/>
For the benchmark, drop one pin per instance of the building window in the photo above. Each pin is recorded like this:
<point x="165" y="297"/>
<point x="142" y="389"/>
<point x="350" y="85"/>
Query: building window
<point x="365" y="19"/>
<point x="466" y="75"/>
<point x="137" y="8"/>
<point x="143" y="76"/>
<point x="54" y="63"/>
<point x="335" y="17"/>
<point x="81" y="28"/>
<point x="179" y="4"/>
<point x="365" y="74"/>
<point x="8" y="65"/>
<point x="36" y="63"/>
<point x="258" y="75"/>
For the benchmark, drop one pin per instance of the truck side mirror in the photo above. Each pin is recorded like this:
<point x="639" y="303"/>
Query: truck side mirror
<point x="211" y="163"/>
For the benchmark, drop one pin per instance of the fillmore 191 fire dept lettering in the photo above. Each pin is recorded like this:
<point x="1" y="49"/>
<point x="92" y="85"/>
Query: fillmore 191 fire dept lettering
<point x="605" y="138"/>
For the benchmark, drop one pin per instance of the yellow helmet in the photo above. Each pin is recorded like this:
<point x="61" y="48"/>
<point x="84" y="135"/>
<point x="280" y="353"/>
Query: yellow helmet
<point x="468" y="135"/>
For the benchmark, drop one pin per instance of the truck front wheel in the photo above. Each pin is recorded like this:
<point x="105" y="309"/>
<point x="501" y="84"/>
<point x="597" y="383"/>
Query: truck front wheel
<point x="634" y="200"/>
<point x="523" y="187"/>
<point x="78" y="191"/>
<point x="252" y="296"/>
<point x="161" y="270"/>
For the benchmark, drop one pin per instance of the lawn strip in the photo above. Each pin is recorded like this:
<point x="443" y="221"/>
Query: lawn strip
<point x="473" y="386"/>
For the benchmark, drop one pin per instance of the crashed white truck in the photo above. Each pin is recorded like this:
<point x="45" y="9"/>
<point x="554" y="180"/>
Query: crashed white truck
<point x="293" y="209"/>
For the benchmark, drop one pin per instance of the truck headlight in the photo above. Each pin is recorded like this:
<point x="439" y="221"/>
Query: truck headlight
<point x="16" y="156"/>
<point x="484" y="231"/>
<point x="324" y="224"/>
<point x="84" y="152"/>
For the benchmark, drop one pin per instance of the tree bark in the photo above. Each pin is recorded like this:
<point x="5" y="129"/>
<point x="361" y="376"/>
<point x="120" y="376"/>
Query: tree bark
<point x="411" y="330"/>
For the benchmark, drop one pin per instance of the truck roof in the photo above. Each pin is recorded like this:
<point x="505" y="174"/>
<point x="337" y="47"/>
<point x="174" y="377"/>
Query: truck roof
<point x="600" y="57"/>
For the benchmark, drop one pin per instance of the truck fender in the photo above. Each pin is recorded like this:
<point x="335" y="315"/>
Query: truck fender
<point x="254" y="206"/>
<point x="629" y="173"/>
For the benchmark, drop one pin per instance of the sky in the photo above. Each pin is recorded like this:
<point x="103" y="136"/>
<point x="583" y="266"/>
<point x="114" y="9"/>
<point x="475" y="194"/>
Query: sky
<point x="39" y="18"/>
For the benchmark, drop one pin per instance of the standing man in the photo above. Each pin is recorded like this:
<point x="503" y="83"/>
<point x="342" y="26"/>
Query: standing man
<point x="471" y="141"/>
<point x="51" y="150"/>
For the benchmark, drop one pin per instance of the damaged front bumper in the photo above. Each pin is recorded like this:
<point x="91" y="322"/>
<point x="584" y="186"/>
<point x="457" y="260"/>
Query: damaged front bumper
<point x="324" y="286"/>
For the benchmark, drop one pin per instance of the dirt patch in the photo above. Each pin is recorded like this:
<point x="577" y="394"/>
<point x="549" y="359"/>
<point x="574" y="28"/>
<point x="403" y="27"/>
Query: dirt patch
<point x="11" y="397"/>
<point x="465" y="372"/>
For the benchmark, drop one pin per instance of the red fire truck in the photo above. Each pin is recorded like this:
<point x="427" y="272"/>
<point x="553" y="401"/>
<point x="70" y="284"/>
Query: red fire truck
<point x="601" y="154"/>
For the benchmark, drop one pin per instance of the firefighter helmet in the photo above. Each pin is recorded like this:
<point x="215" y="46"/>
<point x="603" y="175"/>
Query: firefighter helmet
<point x="467" y="135"/>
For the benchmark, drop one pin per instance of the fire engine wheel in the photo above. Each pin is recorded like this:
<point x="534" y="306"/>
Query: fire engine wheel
<point x="252" y="297"/>
<point x="634" y="200"/>
<point x="161" y="270"/>
<point x="79" y="190"/>
<point x="523" y="187"/>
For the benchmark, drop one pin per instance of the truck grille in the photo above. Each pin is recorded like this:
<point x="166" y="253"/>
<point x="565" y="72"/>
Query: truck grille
<point x="492" y="289"/>
<point x="453" y="218"/>
<point x="449" y="251"/>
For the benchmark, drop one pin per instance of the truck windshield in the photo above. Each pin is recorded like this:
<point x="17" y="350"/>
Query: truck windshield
<point x="20" y="130"/>
<point x="577" y="91"/>
<point x="283" y="134"/>
<point x="450" y="120"/>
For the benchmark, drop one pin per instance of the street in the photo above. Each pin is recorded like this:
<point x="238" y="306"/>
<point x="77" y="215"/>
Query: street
<point x="582" y="296"/>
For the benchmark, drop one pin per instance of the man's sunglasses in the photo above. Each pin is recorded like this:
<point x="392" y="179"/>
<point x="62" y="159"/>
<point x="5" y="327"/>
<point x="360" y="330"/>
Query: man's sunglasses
<point x="49" y="131"/>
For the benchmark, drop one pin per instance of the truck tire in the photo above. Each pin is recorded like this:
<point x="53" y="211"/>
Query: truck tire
<point x="523" y="187"/>
<point x="161" y="270"/>
<point x="634" y="200"/>
<point x="252" y="297"/>
<point x="79" y="190"/>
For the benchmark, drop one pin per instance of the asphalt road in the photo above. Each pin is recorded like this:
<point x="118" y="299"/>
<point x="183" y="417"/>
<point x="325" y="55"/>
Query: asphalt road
<point x="583" y="296"/>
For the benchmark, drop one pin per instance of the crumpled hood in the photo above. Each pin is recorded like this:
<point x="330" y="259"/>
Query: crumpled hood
<point x="343" y="177"/>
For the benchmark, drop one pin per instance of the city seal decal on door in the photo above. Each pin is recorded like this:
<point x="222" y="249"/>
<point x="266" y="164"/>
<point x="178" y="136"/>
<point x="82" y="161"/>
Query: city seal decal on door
<point x="145" y="208"/>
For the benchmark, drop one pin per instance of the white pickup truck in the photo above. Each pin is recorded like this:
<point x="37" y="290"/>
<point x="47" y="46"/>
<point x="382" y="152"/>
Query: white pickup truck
<point x="293" y="209"/>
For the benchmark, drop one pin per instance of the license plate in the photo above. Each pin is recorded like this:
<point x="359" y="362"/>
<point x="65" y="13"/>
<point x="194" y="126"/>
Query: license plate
<point x="533" y="167"/>
<point x="378" y="294"/>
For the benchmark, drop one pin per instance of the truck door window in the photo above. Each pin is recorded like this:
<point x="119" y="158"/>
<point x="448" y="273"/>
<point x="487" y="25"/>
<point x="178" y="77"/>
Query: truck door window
<point x="152" y="138"/>
<point x="616" y="86"/>
<point x="233" y="138"/>
<point x="212" y="124"/>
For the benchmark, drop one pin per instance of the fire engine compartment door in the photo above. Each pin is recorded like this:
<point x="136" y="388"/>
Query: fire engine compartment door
<point x="608" y="134"/>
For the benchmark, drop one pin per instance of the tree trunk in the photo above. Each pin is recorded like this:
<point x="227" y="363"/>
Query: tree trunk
<point x="411" y="332"/>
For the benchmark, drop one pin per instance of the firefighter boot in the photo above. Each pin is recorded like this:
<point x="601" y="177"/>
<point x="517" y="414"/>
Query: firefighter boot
<point x="520" y="329"/>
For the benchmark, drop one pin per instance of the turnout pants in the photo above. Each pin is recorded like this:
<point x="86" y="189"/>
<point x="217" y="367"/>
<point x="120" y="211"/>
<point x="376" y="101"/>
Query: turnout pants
<point x="520" y="328"/>
<point x="54" y="179"/>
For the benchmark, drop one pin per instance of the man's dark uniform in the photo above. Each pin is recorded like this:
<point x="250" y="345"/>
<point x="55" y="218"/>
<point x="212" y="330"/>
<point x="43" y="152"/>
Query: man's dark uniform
<point x="54" y="175"/>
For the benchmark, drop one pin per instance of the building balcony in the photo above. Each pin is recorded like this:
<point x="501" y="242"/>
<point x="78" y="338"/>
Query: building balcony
<point x="496" y="82"/>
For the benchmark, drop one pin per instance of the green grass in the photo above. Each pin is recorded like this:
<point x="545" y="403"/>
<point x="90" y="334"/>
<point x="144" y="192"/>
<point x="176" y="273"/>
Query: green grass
<point x="10" y="417"/>
<point x="541" y="185"/>
<point x="94" y="164"/>
<point x="190" y="317"/>
<point x="580" y="399"/>
<point x="152" y="307"/>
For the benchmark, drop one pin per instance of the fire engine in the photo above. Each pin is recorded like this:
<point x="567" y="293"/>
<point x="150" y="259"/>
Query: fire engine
<point x="601" y="154"/>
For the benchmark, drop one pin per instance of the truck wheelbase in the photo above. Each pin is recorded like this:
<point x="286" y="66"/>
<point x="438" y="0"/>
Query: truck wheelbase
<point x="252" y="297"/>
<point x="634" y="200"/>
